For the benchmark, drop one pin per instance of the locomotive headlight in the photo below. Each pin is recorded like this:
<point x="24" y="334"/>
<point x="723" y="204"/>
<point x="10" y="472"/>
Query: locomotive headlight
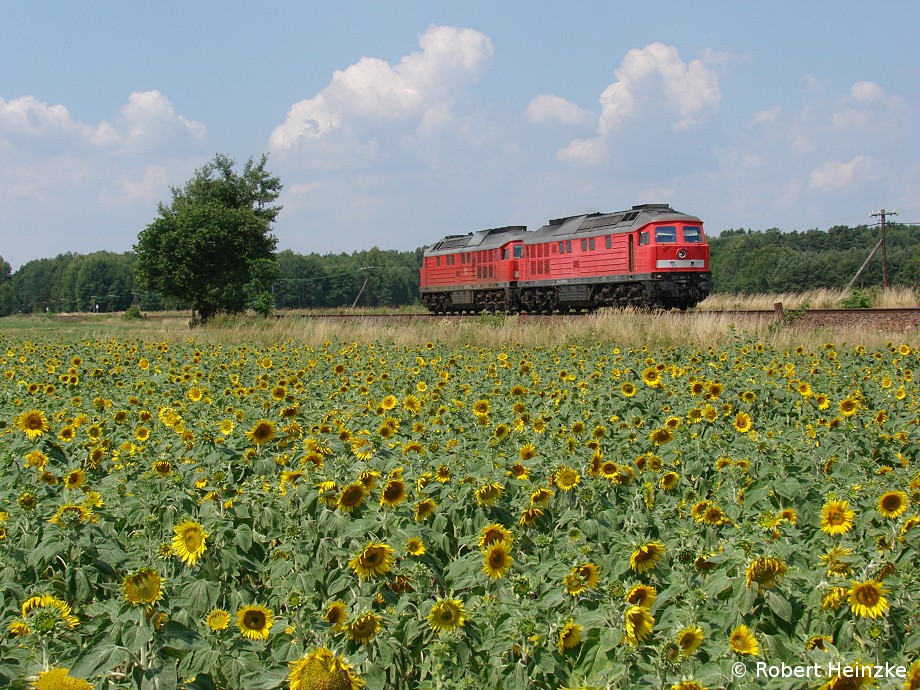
<point x="681" y="253"/>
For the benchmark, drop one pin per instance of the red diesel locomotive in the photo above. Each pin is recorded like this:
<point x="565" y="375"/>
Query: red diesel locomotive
<point x="648" y="256"/>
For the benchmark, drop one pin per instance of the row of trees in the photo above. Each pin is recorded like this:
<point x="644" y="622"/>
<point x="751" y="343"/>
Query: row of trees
<point x="105" y="282"/>
<point x="744" y="261"/>
<point x="211" y="249"/>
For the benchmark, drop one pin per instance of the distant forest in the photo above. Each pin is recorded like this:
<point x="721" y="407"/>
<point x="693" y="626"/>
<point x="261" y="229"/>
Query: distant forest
<point x="743" y="261"/>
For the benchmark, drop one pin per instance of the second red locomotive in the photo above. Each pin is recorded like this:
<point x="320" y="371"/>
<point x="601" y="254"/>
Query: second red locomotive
<point x="648" y="256"/>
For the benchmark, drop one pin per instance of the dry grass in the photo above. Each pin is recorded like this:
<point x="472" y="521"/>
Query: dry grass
<point x="699" y="329"/>
<point x="824" y="298"/>
<point x="627" y="329"/>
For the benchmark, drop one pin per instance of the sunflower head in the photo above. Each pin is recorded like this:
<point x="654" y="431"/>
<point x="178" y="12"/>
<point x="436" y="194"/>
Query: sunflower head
<point x="364" y="628"/>
<point x="218" y="619"/>
<point x="892" y="504"/>
<point x="645" y="556"/>
<point x="867" y="599"/>
<point x="374" y="560"/>
<point x="637" y="625"/>
<point x="742" y="641"/>
<point x="569" y="636"/>
<point x="189" y="541"/>
<point x="497" y="559"/>
<point x="255" y="622"/>
<point x="143" y="587"/>
<point x="58" y="678"/>
<point x="323" y="669"/>
<point x="447" y="615"/>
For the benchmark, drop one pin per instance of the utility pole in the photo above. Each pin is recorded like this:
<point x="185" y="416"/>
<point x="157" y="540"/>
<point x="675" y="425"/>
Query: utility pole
<point x="883" y="213"/>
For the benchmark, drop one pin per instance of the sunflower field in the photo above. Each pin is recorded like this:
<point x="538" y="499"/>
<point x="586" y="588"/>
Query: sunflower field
<point x="196" y="515"/>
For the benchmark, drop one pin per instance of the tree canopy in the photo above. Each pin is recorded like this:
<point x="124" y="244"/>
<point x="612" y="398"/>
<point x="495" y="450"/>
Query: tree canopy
<point x="208" y="248"/>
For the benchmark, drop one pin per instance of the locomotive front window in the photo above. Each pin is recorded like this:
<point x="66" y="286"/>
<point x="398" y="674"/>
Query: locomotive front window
<point x="666" y="234"/>
<point x="693" y="234"/>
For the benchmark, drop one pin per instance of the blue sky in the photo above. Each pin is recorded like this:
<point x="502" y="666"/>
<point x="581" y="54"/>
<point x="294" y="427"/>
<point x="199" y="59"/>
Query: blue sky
<point x="392" y="124"/>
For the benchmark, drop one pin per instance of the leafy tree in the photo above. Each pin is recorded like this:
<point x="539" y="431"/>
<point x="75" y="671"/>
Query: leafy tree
<point x="6" y="288"/>
<point x="205" y="247"/>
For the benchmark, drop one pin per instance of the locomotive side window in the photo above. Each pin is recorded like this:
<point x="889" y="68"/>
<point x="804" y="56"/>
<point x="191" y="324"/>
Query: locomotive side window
<point x="644" y="238"/>
<point x="518" y="251"/>
<point x="608" y="241"/>
<point x="693" y="234"/>
<point x="666" y="234"/>
<point x="562" y="248"/>
<point x="568" y="246"/>
<point x="584" y="245"/>
<point x="438" y="260"/>
<point x="591" y="244"/>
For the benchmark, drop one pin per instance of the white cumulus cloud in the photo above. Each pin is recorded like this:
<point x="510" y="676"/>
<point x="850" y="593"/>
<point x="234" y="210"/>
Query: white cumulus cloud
<point x="548" y="108"/>
<point x="653" y="78"/>
<point x="835" y="174"/>
<point x="375" y="91"/>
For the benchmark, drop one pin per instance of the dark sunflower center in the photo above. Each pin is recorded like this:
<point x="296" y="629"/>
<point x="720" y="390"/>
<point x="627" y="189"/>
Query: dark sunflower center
<point x="867" y="596"/>
<point x="254" y="620"/>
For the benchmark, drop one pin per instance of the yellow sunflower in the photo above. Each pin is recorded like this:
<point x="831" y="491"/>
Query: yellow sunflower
<point x="447" y="615"/>
<point x="218" y="619"/>
<point x="255" y="622"/>
<point x="848" y="407"/>
<point x="867" y="599"/>
<point x="645" y="556"/>
<point x="689" y="639"/>
<point x="892" y="504"/>
<point x="566" y="478"/>
<point x="322" y="669"/>
<point x="642" y="595"/>
<point x="743" y="422"/>
<point x="394" y="493"/>
<point x="628" y="389"/>
<point x="374" y="560"/>
<point x="836" y="517"/>
<point x="742" y="641"/>
<point x="688" y="685"/>
<point x="336" y="614"/>
<point x="263" y="432"/>
<point x="48" y="612"/>
<point x="59" y="679"/>
<point x="489" y="494"/>
<point x="424" y="509"/>
<point x="143" y="587"/>
<point x="32" y="423"/>
<point x="415" y="546"/>
<point x="527" y="452"/>
<point x="189" y="541"/>
<point x="637" y="625"/>
<point x="351" y="497"/>
<point x="364" y="628"/>
<point x="569" y="636"/>
<point x="493" y="533"/>
<point x="651" y="376"/>
<point x="497" y="560"/>
<point x="71" y="515"/>
<point x="765" y="572"/>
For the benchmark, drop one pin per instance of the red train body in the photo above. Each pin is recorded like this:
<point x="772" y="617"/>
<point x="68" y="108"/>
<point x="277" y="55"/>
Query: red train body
<point x="648" y="256"/>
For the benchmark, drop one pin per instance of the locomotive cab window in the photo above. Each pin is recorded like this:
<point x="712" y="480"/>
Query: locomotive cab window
<point x="438" y="260"/>
<point x="518" y="251"/>
<point x="568" y="247"/>
<point x="666" y="234"/>
<point x="591" y="244"/>
<point x="644" y="238"/>
<point x="608" y="241"/>
<point x="584" y="245"/>
<point x="693" y="234"/>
